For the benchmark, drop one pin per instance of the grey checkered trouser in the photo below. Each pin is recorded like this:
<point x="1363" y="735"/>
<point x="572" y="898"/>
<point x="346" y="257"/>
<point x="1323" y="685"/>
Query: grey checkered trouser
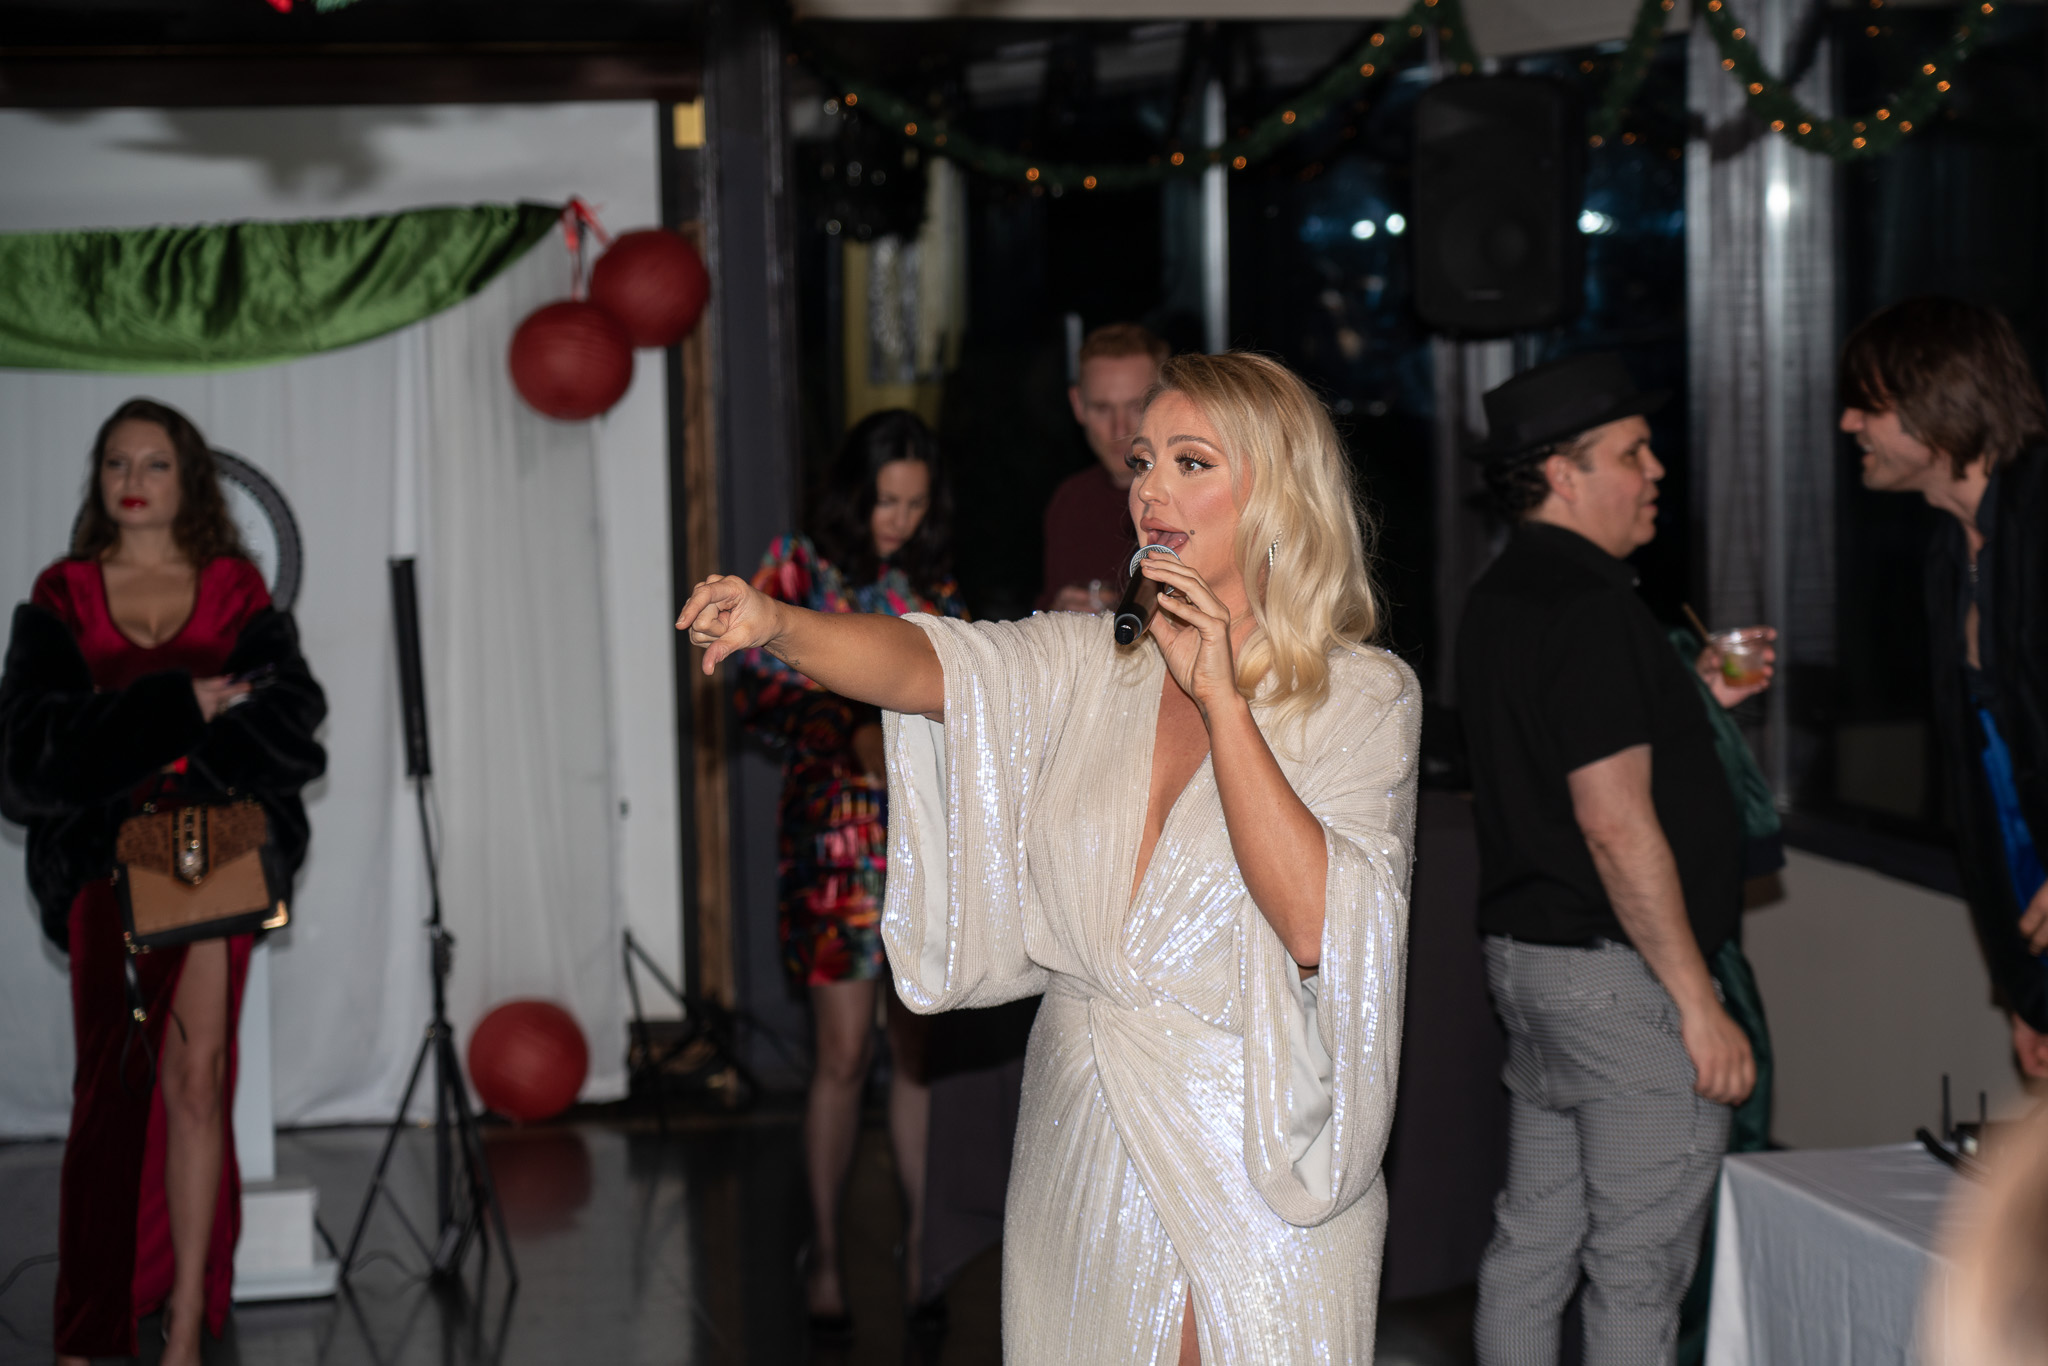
<point x="1611" y="1159"/>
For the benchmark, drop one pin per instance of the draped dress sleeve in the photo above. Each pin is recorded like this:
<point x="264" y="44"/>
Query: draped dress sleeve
<point x="1321" y="1057"/>
<point x="961" y="789"/>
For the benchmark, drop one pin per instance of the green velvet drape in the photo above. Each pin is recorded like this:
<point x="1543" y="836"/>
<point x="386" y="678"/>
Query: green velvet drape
<point x="233" y="294"/>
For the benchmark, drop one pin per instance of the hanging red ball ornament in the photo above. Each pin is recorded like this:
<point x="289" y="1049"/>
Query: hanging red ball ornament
<point x="654" y="283"/>
<point x="571" y="360"/>
<point x="528" y="1059"/>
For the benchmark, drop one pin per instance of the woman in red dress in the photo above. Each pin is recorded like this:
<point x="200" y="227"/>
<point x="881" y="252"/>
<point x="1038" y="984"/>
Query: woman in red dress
<point x="150" y="659"/>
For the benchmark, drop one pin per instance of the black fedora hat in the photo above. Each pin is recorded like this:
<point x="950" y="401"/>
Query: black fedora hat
<point x="1560" y="400"/>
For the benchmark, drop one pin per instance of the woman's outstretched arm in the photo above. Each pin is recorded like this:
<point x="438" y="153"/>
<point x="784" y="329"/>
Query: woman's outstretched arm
<point x="880" y="660"/>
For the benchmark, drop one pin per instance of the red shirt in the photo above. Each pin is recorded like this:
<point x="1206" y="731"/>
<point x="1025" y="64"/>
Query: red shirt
<point x="229" y="592"/>
<point x="1087" y="533"/>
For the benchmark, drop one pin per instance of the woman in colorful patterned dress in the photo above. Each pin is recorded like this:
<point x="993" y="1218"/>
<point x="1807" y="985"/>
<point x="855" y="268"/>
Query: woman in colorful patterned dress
<point x="882" y="543"/>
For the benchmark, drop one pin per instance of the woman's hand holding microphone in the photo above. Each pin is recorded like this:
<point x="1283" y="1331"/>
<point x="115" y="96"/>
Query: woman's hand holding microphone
<point x="1192" y="627"/>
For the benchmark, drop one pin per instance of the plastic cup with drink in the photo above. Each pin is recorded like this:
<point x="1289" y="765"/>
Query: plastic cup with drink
<point x="1743" y="655"/>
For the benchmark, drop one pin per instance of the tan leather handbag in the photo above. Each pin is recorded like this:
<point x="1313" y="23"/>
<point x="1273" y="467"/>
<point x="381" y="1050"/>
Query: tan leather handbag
<point x="190" y="872"/>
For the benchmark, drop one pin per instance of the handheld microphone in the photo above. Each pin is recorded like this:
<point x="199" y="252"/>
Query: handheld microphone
<point x="1141" y="595"/>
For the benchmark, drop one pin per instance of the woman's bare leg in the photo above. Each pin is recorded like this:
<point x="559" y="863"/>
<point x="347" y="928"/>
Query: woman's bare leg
<point x="194" y="1079"/>
<point x="844" y="1013"/>
<point x="1190" y="1341"/>
<point x="910" y="1112"/>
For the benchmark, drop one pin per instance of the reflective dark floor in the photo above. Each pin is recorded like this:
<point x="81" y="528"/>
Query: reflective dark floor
<point x="633" y="1247"/>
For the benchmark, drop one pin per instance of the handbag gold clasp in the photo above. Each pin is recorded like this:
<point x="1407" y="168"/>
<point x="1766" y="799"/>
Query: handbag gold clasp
<point x="189" y="845"/>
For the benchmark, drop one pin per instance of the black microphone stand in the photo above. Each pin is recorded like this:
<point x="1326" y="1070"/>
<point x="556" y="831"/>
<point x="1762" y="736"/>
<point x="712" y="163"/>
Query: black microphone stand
<point x="460" y="1210"/>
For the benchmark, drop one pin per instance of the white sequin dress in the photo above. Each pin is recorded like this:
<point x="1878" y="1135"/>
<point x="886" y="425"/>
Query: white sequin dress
<point x="1194" y="1116"/>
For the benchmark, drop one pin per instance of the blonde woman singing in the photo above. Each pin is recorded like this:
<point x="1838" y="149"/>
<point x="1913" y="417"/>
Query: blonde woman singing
<point x="1197" y="848"/>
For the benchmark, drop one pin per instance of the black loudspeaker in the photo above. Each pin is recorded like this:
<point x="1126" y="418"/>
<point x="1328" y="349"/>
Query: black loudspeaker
<point x="1500" y="175"/>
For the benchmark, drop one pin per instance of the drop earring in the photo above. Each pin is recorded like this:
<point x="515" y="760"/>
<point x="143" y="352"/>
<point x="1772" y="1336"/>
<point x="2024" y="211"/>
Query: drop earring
<point x="1271" y="552"/>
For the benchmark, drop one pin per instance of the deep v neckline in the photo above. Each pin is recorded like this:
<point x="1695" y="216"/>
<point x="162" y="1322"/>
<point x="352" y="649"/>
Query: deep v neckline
<point x="1142" y="858"/>
<point x="107" y="604"/>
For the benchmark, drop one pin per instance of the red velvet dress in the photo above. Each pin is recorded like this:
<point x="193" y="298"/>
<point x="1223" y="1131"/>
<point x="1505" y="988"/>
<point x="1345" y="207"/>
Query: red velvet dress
<point x="114" y="1237"/>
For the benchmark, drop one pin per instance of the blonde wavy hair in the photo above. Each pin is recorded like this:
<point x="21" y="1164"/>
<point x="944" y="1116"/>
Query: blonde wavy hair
<point x="1294" y="494"/>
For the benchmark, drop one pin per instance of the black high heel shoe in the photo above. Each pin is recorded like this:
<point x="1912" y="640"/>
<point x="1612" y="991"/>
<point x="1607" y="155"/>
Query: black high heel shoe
<point x="830" y="1330"/>
<point x="826" y="1330"/>
<point x="925" y="1318"/>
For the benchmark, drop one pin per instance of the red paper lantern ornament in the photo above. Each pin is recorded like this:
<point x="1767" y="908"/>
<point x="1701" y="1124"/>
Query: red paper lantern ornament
<point x="527" y="1060"/>
<point x="571" y="360"/>
<point x="654" y="283"/>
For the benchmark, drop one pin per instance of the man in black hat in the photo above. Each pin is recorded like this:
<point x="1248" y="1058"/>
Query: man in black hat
<point x="1609" y="849"/>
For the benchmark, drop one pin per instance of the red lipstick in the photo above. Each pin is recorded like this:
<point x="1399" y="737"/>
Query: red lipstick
<point x="135" y="502"/>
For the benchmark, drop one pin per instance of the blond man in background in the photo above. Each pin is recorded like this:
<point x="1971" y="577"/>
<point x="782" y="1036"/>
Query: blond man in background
<point x="1088" y="536"/>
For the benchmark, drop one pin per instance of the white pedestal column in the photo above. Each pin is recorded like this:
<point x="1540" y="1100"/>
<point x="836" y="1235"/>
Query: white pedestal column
<point x="279" y="1256"/>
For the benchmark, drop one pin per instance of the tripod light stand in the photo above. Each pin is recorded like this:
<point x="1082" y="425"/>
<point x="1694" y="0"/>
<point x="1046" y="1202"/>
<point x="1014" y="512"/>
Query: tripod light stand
<point x="464" y="1198"/>
<point x="706" y="1024"/>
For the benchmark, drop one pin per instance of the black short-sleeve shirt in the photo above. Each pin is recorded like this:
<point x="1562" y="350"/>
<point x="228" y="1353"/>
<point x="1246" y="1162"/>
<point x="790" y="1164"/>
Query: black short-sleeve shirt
<point x="1559" y="665"/>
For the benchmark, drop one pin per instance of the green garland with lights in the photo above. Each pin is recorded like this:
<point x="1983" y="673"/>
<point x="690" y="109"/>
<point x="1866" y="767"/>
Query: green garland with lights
<point x="1845" y="139"/>
<point x="1345" y="82"/>
<point x="1768" y="98"/>
<point x="1630" y="69"/>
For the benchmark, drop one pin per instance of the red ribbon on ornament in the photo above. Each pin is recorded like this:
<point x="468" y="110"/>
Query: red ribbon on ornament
<point x="578" y="218"/>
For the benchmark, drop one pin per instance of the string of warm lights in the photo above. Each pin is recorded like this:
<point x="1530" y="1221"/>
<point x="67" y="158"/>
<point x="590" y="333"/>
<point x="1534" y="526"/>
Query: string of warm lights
<point x="1846" y="138"/>
<point x="1770" y="99"/>
<point x="1630" y="69"/>
<point x="1345" y="82"/>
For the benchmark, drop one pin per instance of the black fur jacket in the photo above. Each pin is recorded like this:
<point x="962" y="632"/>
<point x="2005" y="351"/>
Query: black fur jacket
<point x="71" y="757"/>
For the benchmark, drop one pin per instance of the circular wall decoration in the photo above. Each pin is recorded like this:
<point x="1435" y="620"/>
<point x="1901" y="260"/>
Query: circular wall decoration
<point x="265" y="520"/>
<point x="266" y="523"/>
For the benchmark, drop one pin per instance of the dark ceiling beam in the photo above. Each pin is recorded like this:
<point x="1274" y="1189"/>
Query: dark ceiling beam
<point x="216" y="76"/>
<point x="194" y="23"/>
<point x="183" y="53"/>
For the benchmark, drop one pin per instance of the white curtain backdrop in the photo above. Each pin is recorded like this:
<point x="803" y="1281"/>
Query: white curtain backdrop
<point x="530" y="537"/>
<point x="513" y="614"/>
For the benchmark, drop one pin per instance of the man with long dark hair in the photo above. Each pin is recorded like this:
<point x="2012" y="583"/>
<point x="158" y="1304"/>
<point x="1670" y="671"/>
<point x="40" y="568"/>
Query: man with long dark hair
<point x="1943" y="402"/>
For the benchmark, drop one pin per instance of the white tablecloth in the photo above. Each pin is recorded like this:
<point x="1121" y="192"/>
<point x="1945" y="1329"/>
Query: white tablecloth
<point x="1823" y="1258"/>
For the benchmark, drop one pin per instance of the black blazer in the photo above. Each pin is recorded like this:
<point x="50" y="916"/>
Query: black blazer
<point x="2016" y="557"/>
<point x="70" y="757"/>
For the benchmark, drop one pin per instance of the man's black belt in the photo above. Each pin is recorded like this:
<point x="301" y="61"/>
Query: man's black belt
<point x="1598" y="941"/>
